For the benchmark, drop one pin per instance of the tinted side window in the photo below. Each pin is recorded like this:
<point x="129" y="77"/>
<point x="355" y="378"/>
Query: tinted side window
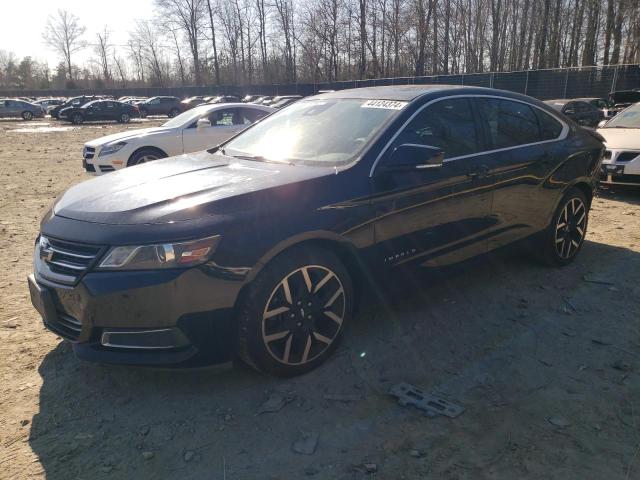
<point x="509" y="123"/>
<point x="448" y="125"/>
<point x="550" y="128"/>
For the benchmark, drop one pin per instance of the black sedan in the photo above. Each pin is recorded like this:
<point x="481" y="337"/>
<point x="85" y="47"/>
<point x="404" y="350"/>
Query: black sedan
<point x="257" y="248"/>
<point x="100" y="110"/>
<point x="169" y="106"/>
<point x="72" y="102"/>
<point x="581" y="111"/>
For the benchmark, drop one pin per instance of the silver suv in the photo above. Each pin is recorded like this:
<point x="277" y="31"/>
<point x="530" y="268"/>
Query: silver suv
<point x="19" y="108"/>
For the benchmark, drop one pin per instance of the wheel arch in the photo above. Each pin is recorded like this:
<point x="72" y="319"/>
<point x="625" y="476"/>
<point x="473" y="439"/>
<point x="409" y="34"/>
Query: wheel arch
<point x="148" y="147"/>
<point x="342" y="247"/>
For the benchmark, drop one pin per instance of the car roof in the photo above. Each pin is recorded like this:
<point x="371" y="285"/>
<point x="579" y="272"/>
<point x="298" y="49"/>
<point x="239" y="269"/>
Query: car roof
<point x="394" y="92"/>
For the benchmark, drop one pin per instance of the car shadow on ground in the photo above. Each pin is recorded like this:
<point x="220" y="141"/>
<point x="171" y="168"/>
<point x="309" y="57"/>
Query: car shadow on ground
<point x="476" y="333"/>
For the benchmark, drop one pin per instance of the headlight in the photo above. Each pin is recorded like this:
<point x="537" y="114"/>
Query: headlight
<point x="109" y="149"/>
<point x="166" y="255"/>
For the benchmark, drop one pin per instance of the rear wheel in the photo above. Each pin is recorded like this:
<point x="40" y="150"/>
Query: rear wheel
<point x="124" y="118"/>
<point x="563" y="239"/>
<point x="26" y="115"/>
<point x="77" y="119"/>
<point x="294" y="313"/>
<point x="145" y="155"/>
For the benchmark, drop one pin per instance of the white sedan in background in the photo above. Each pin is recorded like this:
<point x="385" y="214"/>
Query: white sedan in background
<point x="197" y="129"/>
<point x="621" y="163"/>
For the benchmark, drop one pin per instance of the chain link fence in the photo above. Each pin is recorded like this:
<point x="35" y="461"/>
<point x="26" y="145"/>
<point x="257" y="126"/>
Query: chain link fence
<point x="543" y="84"/>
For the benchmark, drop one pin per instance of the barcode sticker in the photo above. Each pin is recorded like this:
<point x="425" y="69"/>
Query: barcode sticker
<point x="386" y="104"/>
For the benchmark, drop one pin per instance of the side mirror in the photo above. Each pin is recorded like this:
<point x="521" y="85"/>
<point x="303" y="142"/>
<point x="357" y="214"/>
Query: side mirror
<point x="602" y="123"/>
<point x="412" y="157"/>
<point x="203" y="123"/>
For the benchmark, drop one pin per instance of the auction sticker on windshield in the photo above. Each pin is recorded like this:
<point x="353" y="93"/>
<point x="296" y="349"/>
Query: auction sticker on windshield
<point x="386" y="104"/>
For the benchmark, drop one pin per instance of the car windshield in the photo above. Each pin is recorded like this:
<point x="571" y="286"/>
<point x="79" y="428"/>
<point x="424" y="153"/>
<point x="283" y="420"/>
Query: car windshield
<point x="187" y="117"/>
<point x="629" y="118"/>
<point x="299" y="134"/>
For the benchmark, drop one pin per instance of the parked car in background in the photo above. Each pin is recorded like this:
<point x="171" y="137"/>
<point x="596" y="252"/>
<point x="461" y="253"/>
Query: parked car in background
<point x="11" y="107"/>
<point x="250" y="98"/>
<point x="621" y="164"/>
<point x="224" y="99"/>
<point x="283" y="102"/>
<point x="262" y="99"/>
<point x="280" y="99"/>
<point x="253" y="249"/>
<point x="191" y="102"/>
<point x="100" y="110"/>
<point x="201" y="127"/>
<point x="132" y="101"/>
<point x="45" y="103"/>
<point x="169" y="106"/>
<point x="72" y="102"/>
<point x="580" y="111"/>
<point x="621" y="99"/>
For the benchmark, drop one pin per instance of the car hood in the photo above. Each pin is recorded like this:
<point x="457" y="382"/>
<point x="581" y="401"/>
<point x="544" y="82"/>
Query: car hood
<point x="127" y="135"/>
<point x="186" y="187"/>
<point x="621" y="137"/>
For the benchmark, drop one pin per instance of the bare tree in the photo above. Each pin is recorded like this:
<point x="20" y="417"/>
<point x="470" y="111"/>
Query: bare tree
<point x="63" y="33"/>
<point x="187" y="15"/>
<point x="103" y="48"/>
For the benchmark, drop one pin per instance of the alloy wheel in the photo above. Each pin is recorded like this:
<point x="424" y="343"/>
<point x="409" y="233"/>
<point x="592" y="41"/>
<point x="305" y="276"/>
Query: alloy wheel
<point x="570" y="228"/>
<point x="304" y="315"/>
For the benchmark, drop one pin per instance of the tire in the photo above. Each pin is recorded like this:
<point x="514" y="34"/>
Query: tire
<point x="124" y="118"/>
<point x="26" y="115"/>
<point x="143" y="113"/>
<point x="173" y="112"/>
<point x="561" y="242"/>
<point x="77" y="119"/>
<point x="275" y="333"/>
<point x="145" y="155"/>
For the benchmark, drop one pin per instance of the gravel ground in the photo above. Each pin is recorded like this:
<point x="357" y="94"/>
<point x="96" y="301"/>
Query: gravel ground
<point x="544" y="361"/>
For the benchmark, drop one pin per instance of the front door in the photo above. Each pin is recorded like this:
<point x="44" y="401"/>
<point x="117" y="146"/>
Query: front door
<point x="435" y="215"/>
<point x="223" y="124"/>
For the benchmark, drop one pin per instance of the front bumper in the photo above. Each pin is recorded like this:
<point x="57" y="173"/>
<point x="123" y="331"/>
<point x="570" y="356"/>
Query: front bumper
<point x="620" y="167"/>
<point x="96" y="165"/>
<point x="161" y="317"/>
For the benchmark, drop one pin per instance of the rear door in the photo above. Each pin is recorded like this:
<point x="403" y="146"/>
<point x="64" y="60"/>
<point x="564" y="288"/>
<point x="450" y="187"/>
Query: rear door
<point x="436" y="215"/>
<point x="523" y="141"/>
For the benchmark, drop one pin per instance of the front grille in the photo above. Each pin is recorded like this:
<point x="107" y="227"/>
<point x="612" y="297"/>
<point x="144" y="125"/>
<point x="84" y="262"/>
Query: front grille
<point x="89" y="167"/>
<point x="106" y="168"/>
<point x="88" y="152"/>
<point x="627" y="156"/>
<point x="68" y="261"/>
<point x="66" y="326"/>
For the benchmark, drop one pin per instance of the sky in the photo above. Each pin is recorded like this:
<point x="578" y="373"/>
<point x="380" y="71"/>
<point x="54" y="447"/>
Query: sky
<point x="23" y="22"/>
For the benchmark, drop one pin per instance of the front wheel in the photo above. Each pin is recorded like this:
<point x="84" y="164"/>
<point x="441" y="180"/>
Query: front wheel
<point x="563" y="239"/>
<point x="173" y="112"/>
<point x="27" y="116"/>
<point x="294" y="313"/>
<point x="143" y="113"/>
<point x="145" y="155"/>
<point x="77" y="119"/>
<point x="124" y="118"/>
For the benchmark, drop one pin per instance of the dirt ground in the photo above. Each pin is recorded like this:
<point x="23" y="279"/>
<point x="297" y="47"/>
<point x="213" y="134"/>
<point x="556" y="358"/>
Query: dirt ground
<point x="545" y="361"/>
